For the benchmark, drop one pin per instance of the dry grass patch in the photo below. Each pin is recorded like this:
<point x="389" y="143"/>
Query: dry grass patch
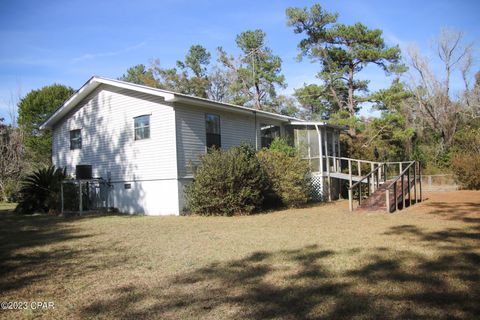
<point x="315" y="262"/>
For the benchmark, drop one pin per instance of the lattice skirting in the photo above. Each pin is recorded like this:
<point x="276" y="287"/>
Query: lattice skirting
<point x="316" y="188"/>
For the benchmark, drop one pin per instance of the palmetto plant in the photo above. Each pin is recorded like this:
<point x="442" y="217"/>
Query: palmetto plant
<point x="41" y="190"/>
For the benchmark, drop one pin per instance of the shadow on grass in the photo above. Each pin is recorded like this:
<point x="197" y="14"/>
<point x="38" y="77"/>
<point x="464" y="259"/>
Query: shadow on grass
<point x="33" y="247"/>
<point x="312" y="282"/>
<point x="308" y="282"/>
<point x="383" y="288"/>
<point x="456" y="211"/>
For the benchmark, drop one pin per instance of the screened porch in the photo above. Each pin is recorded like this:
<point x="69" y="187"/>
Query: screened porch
<point x="316" y="141"/>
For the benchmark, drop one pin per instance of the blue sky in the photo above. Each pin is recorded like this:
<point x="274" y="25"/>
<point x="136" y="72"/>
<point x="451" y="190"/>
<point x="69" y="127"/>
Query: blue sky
<point x="45" y="42"/>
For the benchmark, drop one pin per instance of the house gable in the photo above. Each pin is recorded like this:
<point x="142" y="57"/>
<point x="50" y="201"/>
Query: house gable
<point x="106" y="120"/>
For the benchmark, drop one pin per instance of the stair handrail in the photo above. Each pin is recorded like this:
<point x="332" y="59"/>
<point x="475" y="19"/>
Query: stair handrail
<point x="405" y="172"/>
<point x="402" y="173"/>
<point x="358" y="184"/>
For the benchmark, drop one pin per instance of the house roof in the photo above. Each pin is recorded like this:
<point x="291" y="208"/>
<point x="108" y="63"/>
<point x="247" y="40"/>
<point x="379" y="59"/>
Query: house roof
<point x="168" y="96"/>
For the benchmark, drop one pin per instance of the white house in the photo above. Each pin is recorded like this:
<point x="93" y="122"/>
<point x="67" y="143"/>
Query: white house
<point x="146" y="139"/>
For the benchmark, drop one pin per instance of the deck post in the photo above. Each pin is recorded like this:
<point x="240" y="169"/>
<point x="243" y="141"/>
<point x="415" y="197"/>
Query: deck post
<point x="387" y="200"/>
<point x="359" y="194"/>
<point x="385" y="172"/>
<point x="334" y="153"/>
<point x="339" y="152"/>
<point x="369" y="186"/>
<point x="420" y="179"/>
<point x="409" y="188"/>
<point x="320" y="149"/>
<point x="372" y="167"/>
<point x="395" y="195"/>
<point x="415" y="181"/>
<point x="403" y="192"/>
<point x="350" y="172"/>
<point x="380" y="172"/>
<point x="350" y="199"/>
<point x="329" y="179"/>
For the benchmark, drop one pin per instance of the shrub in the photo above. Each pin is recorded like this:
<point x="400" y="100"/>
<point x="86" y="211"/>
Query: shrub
<point x="467" y="170"/>
<point x="286" y="173"/>
<point x="227" y="183"/>
<point x="280" y="145"/>
<point x="40" y="191"/>
<point x="466" y="158"/>
<point x="10" y="191"/>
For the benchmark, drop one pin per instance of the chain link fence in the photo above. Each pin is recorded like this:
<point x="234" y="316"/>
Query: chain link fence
<point x="439" y="182"/>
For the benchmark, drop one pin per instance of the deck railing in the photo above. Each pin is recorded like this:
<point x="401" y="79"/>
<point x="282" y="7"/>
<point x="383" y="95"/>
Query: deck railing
<point x="373" y="182"/>
<point x="413" y="174"/>
<point x="380" y="173"/>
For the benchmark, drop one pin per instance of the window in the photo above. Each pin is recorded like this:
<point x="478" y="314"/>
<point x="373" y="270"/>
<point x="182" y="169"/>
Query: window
<point x="268" y="133"/>
<point x="142" y="127"/>
<point x="75" y="139"/>
<point x="212" y="125"/>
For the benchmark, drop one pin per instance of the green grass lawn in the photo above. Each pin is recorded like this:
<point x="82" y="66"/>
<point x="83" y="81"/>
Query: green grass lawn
<point x="316" y="262"/>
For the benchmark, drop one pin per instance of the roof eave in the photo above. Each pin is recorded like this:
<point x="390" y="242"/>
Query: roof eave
<point x="168" y="96"/>
<point x="319" y="123"/>
<point x="61" y="111"/>
<point x="227" y="107"/>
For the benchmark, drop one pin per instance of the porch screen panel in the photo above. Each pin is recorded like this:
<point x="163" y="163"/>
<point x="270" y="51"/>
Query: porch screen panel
<point x="314" y="150"/>
<point x="301" y="141"/>
<point x="329" y="143"/>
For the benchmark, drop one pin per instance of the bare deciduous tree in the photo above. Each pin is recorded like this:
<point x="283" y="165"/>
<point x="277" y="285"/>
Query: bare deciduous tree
<point x="435" y="104"/>
<point x="11" y="156"/>
<point x="12" y="151"/>
<point x="220" y="81"/>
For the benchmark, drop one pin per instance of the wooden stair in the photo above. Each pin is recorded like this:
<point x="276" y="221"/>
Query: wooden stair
<point x="376" y="201"/>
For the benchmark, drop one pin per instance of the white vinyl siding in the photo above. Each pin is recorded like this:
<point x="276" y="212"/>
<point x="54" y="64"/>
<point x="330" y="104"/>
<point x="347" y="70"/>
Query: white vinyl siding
<point x="106" y="120"/>
<point x="235" y="128"/>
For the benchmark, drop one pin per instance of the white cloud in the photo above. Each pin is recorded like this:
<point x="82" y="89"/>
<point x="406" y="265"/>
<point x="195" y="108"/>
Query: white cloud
<point x="90" y="56"/>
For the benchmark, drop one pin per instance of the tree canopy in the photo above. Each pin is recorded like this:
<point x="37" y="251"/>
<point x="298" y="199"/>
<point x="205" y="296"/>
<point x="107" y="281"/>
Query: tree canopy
<point x="257" y="71"/>
<point x="33" y="110"/>
<point x="416" y="116"/>
<point x="189" y="76"/>
<point x="342" y="51"/>
<point x="139" y="74"/>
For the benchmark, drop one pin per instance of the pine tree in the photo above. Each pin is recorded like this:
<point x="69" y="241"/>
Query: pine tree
<point x="343" y="51"/>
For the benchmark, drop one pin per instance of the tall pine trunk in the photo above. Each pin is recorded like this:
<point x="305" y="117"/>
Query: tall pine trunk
<point x="351" y="103"/>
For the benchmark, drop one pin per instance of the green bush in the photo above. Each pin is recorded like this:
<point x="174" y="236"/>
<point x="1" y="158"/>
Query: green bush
<point x="286" y="173"/>
<point x="40" y="191"/>
<point x="280" y="145"/>
<point x="466" y="158"/>
<point x="10" y="191"/>
<point x="466" y="168"/>
<point x="227" y="183"/>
